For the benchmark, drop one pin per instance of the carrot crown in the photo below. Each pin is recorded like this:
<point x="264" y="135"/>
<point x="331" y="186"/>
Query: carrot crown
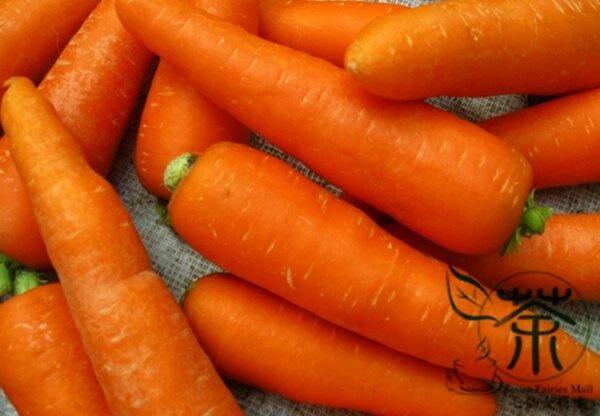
<point x="177" y="169"/>
<point x="533" y="221"/>
<point x="15" y="279"/>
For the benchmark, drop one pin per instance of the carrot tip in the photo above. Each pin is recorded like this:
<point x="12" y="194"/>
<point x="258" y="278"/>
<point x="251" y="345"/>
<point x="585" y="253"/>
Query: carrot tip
<point x="177" y="169"/>
<point x="533" y="222"/>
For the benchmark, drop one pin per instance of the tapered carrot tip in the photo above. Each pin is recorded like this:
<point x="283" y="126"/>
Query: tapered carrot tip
<point x="177" y="169"/>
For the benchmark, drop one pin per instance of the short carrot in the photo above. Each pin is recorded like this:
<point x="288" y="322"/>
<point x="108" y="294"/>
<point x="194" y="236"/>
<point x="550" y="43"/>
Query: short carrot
<point x="282" y="348"/>
<point x="33" y="33"/>
<point x="479" y="48"/>
<point x="322" y="29"/>
<point x="560" y="138"/>
<point x="374" y="149"/>
<point x="141" y="347"/>
<point x="258" y="218"/>
<point x="178" y="119"/>
<point x="93" y="86"/>
<point x="44" y="370"/>
<point x="566" y="249"/>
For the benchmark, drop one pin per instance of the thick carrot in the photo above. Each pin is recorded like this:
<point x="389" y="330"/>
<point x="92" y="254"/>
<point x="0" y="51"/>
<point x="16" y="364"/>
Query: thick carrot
<point x="258" y="218"/>
<point x="481" y="47"/>
<point x="44" y="370"/>
<point x="93" y="86"/>
<point x="560" y="138"/>
<point x="282" y="348"/>
<point x="567" y="249"/>
<point x="374" y="149"/>
<point x="323" y="29"/>
<point x="138" y="340"/>
<point x="33" y="32"/>
<point x="177" y="118"/>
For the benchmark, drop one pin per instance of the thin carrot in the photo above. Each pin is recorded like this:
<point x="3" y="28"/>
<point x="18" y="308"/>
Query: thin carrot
<point x="374" y="149"/>
<point x="178" y="119"/>
<point x="481" y="47"/>
<point x="282" y="348"/>
<point x="93" y="86"/>
<point x="567" y="249"/>
<point x="560" y="138"/>
<point x="258" y="218"/>
<point x="322" y="29"/>
<point x="138" y="340"/>
<point x="33" y="33"/>
<point x="44" y="370"/>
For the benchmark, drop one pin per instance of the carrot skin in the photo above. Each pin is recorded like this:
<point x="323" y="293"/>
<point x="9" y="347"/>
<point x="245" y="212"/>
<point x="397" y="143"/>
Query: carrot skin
<point x="140" y="345"/>
<point x="565" y="249"/>
<point x="44" y="370"/>
<point x="34" y="32"/>
<point x="375" y="149"/>
<point x="94" y="87"/>
<point x="177" y="119"/>
<point x="560" y="138"/>
<point x="480" y="48"/>
<point x="306" y="25"/>
<point x="318" y="362"/>
<point x="257" y="217"/>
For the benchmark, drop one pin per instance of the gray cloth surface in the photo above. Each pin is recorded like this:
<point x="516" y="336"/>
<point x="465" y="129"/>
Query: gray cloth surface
<point x="179" y="265"/>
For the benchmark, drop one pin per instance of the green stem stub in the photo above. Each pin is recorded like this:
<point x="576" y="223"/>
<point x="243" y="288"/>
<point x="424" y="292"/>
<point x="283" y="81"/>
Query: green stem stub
<point x="533" y="221"/>
<point x="177" y="169"/>
<point x="6" y="281"/>
<point x="26" y="280"/>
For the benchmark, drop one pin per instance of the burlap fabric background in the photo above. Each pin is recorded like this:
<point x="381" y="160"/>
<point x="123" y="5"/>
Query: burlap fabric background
<point x="179" y="265"/>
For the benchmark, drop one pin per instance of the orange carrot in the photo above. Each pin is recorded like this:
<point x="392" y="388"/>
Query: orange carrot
<point x="178" y="119"/>
<point x="138" y="340"/>
<point x="258" y="218"/>
<point x="93" y="86"/>
<point x="560" y="138"/>
<point x="44" y="370"/>
<point x="33" y="32"/>
<point x="566" y="249"/>
<point x="480" y="47"/>
<point x="323" y="29"/>
<point x="374" y="149"/>
<point x="282" y="348"/>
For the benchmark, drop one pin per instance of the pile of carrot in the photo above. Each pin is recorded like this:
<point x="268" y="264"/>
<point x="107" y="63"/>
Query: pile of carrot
<point x="328" y="307"/>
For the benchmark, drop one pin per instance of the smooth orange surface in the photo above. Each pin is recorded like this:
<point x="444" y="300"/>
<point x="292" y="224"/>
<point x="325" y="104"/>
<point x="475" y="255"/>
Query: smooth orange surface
<point x="320" y="28"/>
<point x="136" y="336"/>
<point x="451" y="181"/>
<point x="568" y="248"/>
<point x="560" y="138"/>
<point x="480" y="48"/>
<point x="44" y="370"/>
<point x="177" y="119"/>
<point x="259" y="339"/>
<point x="93" y="87"/>
<point x="258" y="218"/>
<point x="33" y="33"/>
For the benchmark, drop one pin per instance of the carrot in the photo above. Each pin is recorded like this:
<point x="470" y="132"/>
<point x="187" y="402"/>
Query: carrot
<point x="93" y="86"/>
<point x="560" y="138"/>
<point x="138" y="340"/>
<point x="374" y="149"/>
<point x="322" y="29"/>
<point x="282" y="348"/>
<point x="44" y="370"/>
<point x="481" y="47"/>
<point x="178" y="119"/>
<point x="33" y="32"/>
<point x="566" y="249"/>
<point x="256" y="217"/>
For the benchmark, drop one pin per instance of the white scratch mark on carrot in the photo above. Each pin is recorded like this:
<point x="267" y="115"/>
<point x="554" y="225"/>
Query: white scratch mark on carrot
<point x="247" y="234"/>
<point x="309" y="271"/>
<point x="391" y="297"/>
<point x="425" y="313"/>
<point x="409" y="40"/>
<point x="447" y="316"/>
<point x="443" y="31"/>
<point x="346" y="294"/>
<point x="371" y="232"/>
<point x="289" y="278"/>
<point x="271" y="247"/>
<point x="482" y="161"/>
